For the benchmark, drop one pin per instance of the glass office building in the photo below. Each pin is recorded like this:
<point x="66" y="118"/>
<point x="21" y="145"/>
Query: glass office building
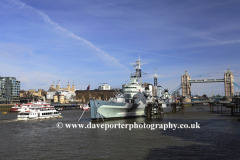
<point x="9" y="90"/>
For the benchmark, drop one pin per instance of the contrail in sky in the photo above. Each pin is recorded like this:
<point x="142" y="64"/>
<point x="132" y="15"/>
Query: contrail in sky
<point x="103" y="55"/>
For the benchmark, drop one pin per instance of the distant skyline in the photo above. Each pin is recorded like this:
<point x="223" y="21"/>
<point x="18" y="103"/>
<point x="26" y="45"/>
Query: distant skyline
<point x="94" y="42"/>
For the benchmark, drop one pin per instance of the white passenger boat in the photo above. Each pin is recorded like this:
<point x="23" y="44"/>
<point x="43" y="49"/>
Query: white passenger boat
<point x="38" y="111"/>
<point x="27" y="106"/>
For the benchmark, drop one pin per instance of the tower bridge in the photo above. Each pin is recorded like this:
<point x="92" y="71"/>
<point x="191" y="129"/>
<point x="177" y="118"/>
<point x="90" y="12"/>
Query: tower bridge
<point x="228" y="80"/>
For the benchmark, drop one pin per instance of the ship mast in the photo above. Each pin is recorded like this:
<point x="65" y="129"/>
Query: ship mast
<point x="138" y="72"/>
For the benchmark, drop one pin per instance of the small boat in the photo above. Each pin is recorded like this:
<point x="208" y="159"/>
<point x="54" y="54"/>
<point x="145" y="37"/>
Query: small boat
<point x="59" y="109"/>
<point x="85" y="107"/>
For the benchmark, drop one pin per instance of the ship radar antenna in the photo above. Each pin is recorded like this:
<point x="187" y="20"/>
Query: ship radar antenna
<point x="138" y="72"/>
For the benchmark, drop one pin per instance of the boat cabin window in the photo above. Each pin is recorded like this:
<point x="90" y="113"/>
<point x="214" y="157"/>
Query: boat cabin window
<point x="24" y="113"/>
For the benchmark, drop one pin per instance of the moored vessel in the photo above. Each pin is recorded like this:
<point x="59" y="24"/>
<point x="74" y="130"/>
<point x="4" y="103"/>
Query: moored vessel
<point x="26" y="106"/>
<point x="15" y="108"/>
<point x="166" y="99"/>
<point x="86" y="107"/>
<point x="59" y="109"/>
<point x="130" y="103"/>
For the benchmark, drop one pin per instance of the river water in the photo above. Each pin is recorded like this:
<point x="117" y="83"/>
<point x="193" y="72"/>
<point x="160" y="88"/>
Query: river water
<point x="217" y="138"/>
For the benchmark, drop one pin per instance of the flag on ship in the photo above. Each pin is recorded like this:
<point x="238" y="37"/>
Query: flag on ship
<point x="88" y="87"/>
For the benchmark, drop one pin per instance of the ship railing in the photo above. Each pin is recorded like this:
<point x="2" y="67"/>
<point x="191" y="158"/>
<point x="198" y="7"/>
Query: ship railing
<point x="119" y="94"/>
<point x="115" y="95"/>
<point x="109" y="96"/>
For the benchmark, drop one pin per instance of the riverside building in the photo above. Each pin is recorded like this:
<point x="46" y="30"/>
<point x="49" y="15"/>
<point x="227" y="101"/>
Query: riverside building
<point x="61" y="95"/>
<point x="9" y="90"/>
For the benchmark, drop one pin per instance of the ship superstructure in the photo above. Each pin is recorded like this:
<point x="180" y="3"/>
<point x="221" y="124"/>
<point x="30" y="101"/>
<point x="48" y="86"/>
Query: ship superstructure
<point x="135" y="85"/>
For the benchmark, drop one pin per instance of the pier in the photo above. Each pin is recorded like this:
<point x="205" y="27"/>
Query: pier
<point x="235" y="109"/>
<point x="66" y="106"/>
<point x="6" y="107"/>
<point x="154" y="109"/>
<point x="179" y="106"/>
<point x="214" y="106"/>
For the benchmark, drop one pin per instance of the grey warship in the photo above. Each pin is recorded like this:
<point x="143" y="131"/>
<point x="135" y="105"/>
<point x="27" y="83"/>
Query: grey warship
<point x="130" y="103"/>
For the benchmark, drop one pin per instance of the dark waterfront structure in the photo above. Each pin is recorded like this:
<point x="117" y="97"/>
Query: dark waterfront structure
<point x="9" y="90"/>
<point x="83" y="96"/>
<point x="67" y="106"/>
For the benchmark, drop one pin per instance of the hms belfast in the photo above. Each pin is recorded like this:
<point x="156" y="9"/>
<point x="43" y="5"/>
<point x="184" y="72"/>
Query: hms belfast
<point x="130" y="103"/>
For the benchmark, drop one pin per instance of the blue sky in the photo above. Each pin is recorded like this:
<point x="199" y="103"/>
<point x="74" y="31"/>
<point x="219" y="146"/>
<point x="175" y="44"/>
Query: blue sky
<point x="94" y="41"/>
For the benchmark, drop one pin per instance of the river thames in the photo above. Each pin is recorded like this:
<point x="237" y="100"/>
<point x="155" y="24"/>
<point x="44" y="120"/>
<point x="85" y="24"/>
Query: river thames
<point x="217" y="138"/>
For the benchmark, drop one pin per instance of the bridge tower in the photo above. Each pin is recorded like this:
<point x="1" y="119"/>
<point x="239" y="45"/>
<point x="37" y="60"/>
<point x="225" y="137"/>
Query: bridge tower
<point x="228" y="85"/>
<point x="186" y="87"/>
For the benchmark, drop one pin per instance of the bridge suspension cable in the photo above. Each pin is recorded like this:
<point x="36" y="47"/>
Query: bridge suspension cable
<point x="235" y="84"/>
<point x="176" y="90"/>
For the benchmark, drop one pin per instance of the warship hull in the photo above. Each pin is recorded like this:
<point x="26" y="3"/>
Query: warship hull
<point x="108" y="109"/>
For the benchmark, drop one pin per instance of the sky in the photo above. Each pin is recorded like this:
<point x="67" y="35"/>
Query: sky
<point x="94" y="42"/>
